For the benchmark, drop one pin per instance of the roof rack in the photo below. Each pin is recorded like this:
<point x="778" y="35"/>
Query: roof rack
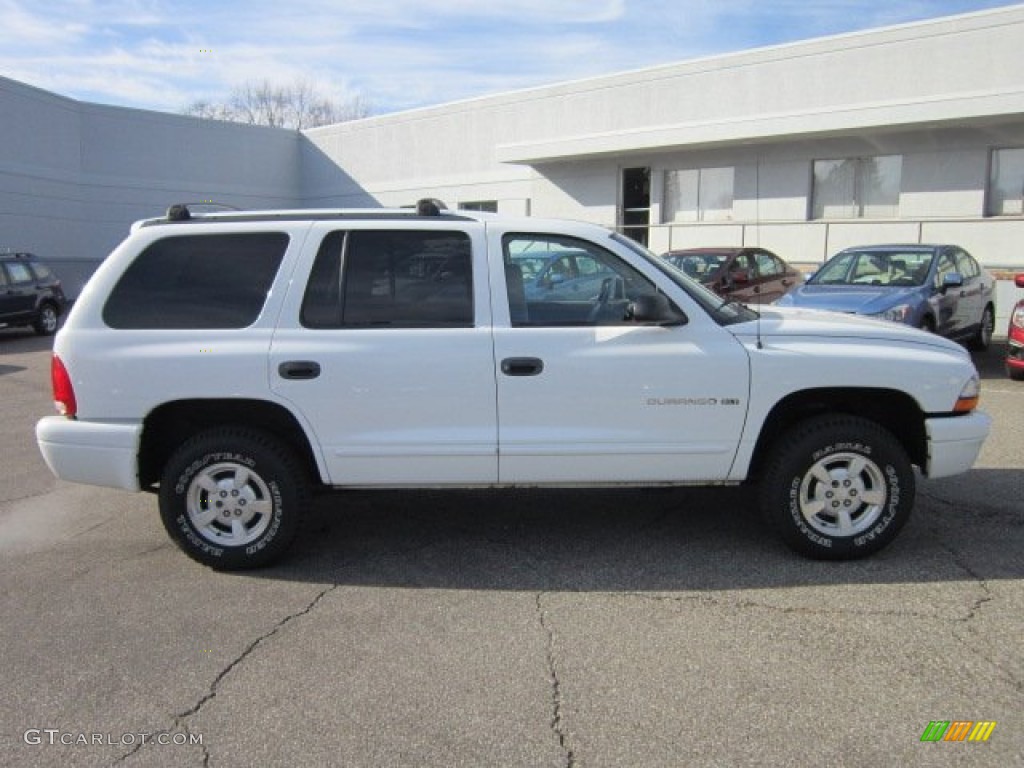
<point x="430" y="206"/>
<point x="182" y="212"/>
<point x="427" y="207"/>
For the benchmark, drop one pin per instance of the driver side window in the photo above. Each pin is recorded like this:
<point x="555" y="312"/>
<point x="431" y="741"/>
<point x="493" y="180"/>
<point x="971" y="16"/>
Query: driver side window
<point x="946" y="266"/>
<point x="558" y="281"/>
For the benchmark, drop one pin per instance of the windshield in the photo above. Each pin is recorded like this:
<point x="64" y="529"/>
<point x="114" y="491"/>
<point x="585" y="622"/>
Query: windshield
<point x="887" y="268"/>
<point x="723" y="311"/>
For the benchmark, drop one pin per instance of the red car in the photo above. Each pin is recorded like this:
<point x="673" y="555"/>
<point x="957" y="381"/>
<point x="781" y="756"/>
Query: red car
<point x="750" y="275"/>
<point x="1015" y="341"/>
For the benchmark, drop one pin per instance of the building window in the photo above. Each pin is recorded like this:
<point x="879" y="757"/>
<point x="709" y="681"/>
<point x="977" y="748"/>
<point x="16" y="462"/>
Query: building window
<point x="1006" y="183"/>
<point x="857" y="187"/>
<point x="701" y="194"/>
<point x="487" y="206"/>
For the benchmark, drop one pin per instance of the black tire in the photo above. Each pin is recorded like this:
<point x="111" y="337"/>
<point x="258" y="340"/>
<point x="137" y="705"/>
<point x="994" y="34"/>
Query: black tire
<point x="864" y="504"/>
<point x="927" y="324"/>
<point x="46" y="322"/>
<point x="1016" y="374"/>
<point x="981" y="340"/>
<point x="233" y="498"/>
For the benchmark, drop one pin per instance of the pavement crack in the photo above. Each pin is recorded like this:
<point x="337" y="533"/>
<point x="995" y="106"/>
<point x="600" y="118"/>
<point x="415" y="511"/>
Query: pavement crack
<point x="181" y="718"/>
<point x="973" y="611"/>
<point x="249" y="649"/>
<point x="557" y="715"/>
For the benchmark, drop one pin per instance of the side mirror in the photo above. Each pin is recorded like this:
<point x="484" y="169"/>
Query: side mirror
<point x="951" y="280"/>
<point x="654" y="309"/>
<point x="740" y="277"/>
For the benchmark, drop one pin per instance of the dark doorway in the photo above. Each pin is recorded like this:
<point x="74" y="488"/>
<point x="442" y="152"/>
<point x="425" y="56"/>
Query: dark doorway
<point x="636" y="203"/>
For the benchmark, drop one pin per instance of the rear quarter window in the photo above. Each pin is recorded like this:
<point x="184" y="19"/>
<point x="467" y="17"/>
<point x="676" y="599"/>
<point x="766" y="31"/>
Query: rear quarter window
<point x="41" y="271"/>
<point x="197" y="281"/>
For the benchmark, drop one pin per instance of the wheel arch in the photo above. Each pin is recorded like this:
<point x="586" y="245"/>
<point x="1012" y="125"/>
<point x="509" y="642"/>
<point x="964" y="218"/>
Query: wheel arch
<point x="894" y="410"/>
<point x="171" y="424"/>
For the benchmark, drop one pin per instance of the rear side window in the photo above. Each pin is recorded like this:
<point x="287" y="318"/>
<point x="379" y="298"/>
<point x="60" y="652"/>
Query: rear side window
<point x="197" y="281"/>
<point x="391" y="279"/>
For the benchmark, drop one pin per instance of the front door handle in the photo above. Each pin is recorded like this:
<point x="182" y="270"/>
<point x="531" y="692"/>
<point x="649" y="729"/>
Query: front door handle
<point x="299" y="369"/>
<point x="522" y="366"/>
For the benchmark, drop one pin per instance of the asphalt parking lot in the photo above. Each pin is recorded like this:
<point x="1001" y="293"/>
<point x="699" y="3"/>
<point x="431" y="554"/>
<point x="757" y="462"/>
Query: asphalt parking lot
<point x="511" y="628"/>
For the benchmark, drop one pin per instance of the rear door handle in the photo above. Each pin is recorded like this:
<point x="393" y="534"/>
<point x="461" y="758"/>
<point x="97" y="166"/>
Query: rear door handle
<point x="299" y="369"/>
<point x="522" y="366"/>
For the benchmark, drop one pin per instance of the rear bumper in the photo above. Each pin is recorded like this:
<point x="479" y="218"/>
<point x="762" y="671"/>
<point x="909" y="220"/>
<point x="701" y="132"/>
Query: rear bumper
<point x="91" y="452"/>
<point x="954" y="442"/>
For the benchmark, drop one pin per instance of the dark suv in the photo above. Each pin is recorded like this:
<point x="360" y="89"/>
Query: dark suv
<point x="30" y="294"/>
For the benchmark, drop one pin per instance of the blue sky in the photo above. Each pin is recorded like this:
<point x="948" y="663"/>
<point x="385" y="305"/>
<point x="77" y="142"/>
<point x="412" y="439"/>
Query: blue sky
<point x="396" y="54"/>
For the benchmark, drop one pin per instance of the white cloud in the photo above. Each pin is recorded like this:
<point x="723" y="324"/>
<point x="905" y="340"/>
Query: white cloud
<point x="22" y="28"/>
<point x="163" y="54"/>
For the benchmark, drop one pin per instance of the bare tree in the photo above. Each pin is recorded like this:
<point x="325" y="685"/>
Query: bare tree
<point x="296" y="105"/>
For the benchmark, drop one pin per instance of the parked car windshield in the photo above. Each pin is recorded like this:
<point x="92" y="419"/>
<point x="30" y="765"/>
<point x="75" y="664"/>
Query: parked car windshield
<point x="724" y="312"/>
<point x="887" y="268"/>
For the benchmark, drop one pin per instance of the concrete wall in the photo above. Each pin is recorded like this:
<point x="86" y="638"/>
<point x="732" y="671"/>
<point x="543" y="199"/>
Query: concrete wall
<point x="954" y="69"/>
<point x="74" y="176"/>
<point x="445" y="152"/>
<point x="940" y="93"/>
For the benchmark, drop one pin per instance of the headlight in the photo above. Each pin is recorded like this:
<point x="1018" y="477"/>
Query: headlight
<point x="968" y="399"/>
<point x="897" y="314"/>
<point x="1017" y="318"/>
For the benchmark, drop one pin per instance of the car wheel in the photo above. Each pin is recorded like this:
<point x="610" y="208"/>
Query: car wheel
<point x="1017" y="374"/>
<point x="987" y="327"/>
<point x="837" y="487"/>
<point x="46" y="323"/>
<point x="233" y="498"/>
<point x="927" y="324"/>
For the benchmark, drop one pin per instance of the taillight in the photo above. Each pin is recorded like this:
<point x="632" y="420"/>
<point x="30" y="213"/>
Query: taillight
<point x="1017" y="318"/>
<point x="63" y="392"/>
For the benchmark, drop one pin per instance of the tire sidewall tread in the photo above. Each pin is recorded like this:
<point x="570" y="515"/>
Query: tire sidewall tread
<point x="266" y="456"/>
<point x="809" y="442"/>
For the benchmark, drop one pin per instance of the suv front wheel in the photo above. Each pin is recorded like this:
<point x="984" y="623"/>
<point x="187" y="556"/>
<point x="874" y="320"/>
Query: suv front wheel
<point x="837" y="487"/>
<point x="233" y="498"/>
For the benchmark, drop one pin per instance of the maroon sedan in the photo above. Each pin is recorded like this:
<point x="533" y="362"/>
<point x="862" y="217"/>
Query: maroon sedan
<point x="750" y="275"/>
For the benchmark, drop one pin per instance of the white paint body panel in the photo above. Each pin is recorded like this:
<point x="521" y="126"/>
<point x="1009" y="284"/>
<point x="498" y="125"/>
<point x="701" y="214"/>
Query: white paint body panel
<point x="96" y="453"/>
<point x="431" y="407"/>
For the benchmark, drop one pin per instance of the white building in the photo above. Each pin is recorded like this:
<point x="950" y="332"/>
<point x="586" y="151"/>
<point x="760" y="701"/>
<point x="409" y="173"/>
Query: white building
<point x="912" y="133"/>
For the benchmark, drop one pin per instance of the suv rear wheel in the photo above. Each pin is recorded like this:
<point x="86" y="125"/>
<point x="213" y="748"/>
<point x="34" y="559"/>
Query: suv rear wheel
<point x="233" y="498"/>
<point x="837" y="487"/>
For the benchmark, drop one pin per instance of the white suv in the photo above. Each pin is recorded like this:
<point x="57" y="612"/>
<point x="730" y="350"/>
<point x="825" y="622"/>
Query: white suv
<point x="233" y="362"/>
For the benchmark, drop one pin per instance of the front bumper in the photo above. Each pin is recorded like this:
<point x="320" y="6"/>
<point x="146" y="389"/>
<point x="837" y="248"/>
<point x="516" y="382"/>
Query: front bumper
<point x="954" y="442"/>
<point x="91" y="452"/>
